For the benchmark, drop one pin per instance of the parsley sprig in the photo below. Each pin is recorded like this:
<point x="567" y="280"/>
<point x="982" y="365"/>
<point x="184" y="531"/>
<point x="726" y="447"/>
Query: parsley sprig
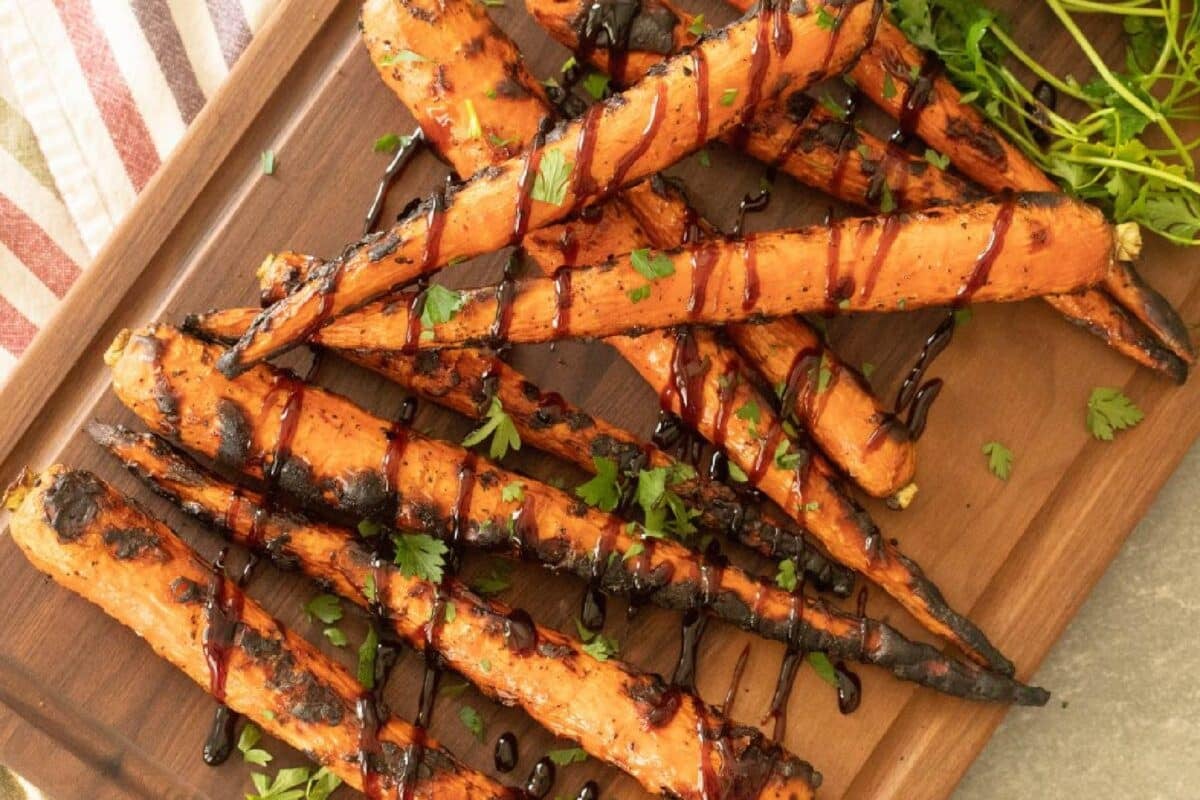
<point x="1106" y="153"/>
<point x="497" y="425"/>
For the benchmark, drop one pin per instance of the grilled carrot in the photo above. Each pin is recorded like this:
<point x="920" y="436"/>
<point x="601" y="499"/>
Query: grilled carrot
<point x="465" y="380"/>
<point x="451" y="60"/>
<point x="645" y="129"/>
<point x="992" y="250"/>
<point x="102" y="546"/>
<point x="321" y="449"/>
<point x="856" y="167"/>
<point x="606" y="706"/>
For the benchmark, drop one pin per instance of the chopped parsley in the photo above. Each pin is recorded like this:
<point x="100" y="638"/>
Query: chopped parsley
<point x="600" y="647"/>
<point x="1110" y="411"/>
<point x="366" y="659"/>
<point x="698" y="26"/>
<point x="419" y="555"/>
<point x="550" y="183"/>
<point x="499" y="141"/>
<point x="567" y="756"/>
<point x="822" y="666"/>
<point x="962" y="316"/>
<point x="268" y="162"/>
<point x="704" y="158"/>
<point x="325" y="607"/>
<point x="784" y="459"/>
<point x="474" y="128"/>
<point x="737" y="474"/>
<point x="595" y="84"/>
<point x="368" y="528"/>
<point x="390" y="143"/>
<point x="295" y="783"/>
<point x="889" y="86"/>
<point x="604" y="490"/>
<point x="499" y="426"/>
<point x="335" y="636"/>
<point x="495" y="581"/>
<point x="639" y="293"/>
<point x="749" y="412"/>
<point x="868" y="369"/>
<point x="785" y="576"/>
<point x="825" y="20"/>
<point x="440" y="305"/>
<point x="249" y="737"/>
<point x="513" y="492"/>
<point x="471" y="720"/>
<point x="652" y="267"/>
<point x="370" y="591"/>
<point x="937" y="159"/>
<point x="728" y="96"/>
<point x="834" y="108"/>
<point x="401" y="57"/>
<point x="999" y="459"/>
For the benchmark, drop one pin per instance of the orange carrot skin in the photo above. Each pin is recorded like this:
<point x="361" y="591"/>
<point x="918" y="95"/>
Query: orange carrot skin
<point x="1050" y="245"/>
<point x="646" y="129"/>
<point x="100" y="544"/>
<point x="602" y="705"/>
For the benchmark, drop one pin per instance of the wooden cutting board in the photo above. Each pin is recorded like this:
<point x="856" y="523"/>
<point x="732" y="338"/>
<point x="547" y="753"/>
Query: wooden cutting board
<point x="86" y="710"/>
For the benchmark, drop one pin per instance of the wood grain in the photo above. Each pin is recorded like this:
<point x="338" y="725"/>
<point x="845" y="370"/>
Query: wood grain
<point x="87" y="710"/>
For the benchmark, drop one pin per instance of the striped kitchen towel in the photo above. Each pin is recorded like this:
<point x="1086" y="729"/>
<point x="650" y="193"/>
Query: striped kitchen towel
<point x="94" y="94"/>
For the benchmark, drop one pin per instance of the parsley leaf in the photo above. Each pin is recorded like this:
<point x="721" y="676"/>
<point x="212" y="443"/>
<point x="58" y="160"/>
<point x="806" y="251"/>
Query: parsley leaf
<point x="440" y="305"/>
<point x="321" y="784"/>
<point x="728" y="96"/>
<point x="390" y="143"/>
<point x="651" y="267"/>
<point x="1109" y="411"/>
<point x="249" y="737"/>
<point x="785" y="577"/>
<point x="419" y="555"/>
<point x="495" y="581"/>
<point x="284" y="785"/>
<point x="568" y="756"/>
<point x="335" y="636"/>
<point x="698" y="26"/>
<point x="366" y="659"/>
<point x="822" y="666"/>
<point x="937" y="159"/>
<point x="268" y="162"/>
<point x="784" y="459"/>
<point x="962" y="316"/>
<point x="499" y="426"/>
<point x="513" y="492"/>
<point x="999" y="459"/>
<point x="704" y="158"/>
<point x="889" y="86"/>
<point x="825" y="20"/>
<point x="474" y="128"/>
<point x="471" y="720"/>
<point x="595" y="84"/>
<point x="749" y="412"/>
<point x="639" y="293"/>
<point x="603" y="491"/>
<point x="401" y="57"/>
<point x="550" y="183"/>
<point x="325" y="607"/>
<point x="868" y="369"/>
<point x="370" y="591"/>
<point x="602" y="647"/>
<point x="368" y="528"/>
<point x="737" y="474"/>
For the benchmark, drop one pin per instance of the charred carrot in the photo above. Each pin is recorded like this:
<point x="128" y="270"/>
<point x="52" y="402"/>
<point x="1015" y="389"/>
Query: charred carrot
<point x="617" y="713"/>
<point x="321" y="449"/>
<point x="645" y="129"/>
<point x="99" y="544"/>
<point x="466" y="380"/>
<point x="992" y="250"/>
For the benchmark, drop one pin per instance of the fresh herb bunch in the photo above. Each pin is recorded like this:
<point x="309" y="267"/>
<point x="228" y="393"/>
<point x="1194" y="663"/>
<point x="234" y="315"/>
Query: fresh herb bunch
<point x="1101" y="155"/>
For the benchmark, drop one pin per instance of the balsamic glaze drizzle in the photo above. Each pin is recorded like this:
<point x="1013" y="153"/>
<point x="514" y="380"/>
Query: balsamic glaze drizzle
<point x="395" y="168"/>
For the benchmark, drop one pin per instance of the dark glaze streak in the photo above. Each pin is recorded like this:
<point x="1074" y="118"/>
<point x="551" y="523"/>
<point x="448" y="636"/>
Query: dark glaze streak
<point x="782" y="33"/>
<point x="937" y="342"/>
<point x="594" y="601"/>
<point x="533" y="160"/>
<point x="849" y="689"/>
<point x="289" y="420"/>
<point x="918" y="415"/>
<point x="916" y="99"/>
<point x="583" y="185"/>
<point x="561" y="323"/>
<point x="735" y="681"/>
<point x="704" y="260"/>
<point x="983" y="264"/>
<point x="887" y="237"/>
<point x="222" y="615"/>
<point x="767" y="453"/>
<point x="760" y="59"/>
<point x="694" y="623"/>
<point x="751" y="204"/>
<point x="700" y="68"/>
<point x="395" y="168"/>
<point x="505" y="755"/>
<point x="506" y="295"/>
<point x="686" y="381"/>
<point x="397" y="437"/>
<point x="750" y="264"/>
<point x="435" y="223"/>
<point x="541" y="779"/>
<point x="836" y="289"/>
<point x="658" y="111"/>
<point x="589" y="791"/>
<point x="834" y="35"/>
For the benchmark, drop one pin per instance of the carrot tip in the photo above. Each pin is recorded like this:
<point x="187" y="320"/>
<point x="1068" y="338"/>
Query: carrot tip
<point x="903" y="497"/>
<point x="113" y="354"/>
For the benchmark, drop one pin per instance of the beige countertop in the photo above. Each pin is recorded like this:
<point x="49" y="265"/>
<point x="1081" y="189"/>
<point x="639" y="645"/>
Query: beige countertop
<point x="1124" y="721"/>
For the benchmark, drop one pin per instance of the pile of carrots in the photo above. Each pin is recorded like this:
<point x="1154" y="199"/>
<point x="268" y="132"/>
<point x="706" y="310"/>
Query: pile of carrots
<point x="709" y="320"/>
